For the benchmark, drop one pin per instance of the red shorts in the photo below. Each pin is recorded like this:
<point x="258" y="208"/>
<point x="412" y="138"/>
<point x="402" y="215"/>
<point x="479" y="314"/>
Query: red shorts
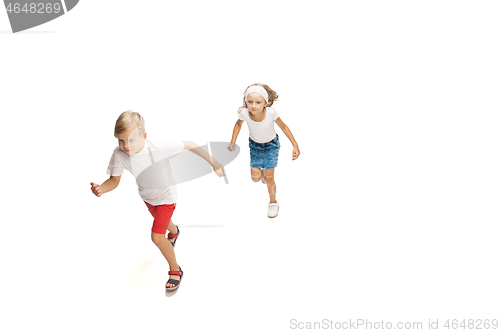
<point x="162" y="215"/>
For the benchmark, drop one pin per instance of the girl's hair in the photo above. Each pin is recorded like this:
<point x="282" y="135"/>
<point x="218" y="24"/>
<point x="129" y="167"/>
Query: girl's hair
<point x="129" y="120"/>
<point x="273" y="96"/>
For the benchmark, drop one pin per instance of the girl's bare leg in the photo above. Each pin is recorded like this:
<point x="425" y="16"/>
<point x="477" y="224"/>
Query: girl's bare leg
<point x="256" y="174"/>
<point x="271" y="185"/>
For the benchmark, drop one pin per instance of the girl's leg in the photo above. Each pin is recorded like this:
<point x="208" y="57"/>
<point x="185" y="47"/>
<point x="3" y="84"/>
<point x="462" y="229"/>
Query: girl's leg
<point x="271" y="185"/>
<point x="256" y="174"/>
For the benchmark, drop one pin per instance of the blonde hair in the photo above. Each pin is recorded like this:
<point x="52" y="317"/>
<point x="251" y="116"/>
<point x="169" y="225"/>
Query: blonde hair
<point x="129" y="120"/>
<point x="273" y="96"/>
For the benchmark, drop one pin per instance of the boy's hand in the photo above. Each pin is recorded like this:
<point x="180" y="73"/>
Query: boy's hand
<point x="218" y="169"/>
<point x="295" y="153"/>
<point x="232" y="146"/>
<point x="96" y="189"/>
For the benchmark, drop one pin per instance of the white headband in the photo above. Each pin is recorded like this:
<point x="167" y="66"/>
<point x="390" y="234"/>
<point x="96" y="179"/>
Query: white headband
<point x="258" y="90"/>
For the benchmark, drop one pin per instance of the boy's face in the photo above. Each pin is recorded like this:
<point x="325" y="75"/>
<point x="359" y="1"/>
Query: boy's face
<point x="255" y="103"/>
<point x="131" y="141"/>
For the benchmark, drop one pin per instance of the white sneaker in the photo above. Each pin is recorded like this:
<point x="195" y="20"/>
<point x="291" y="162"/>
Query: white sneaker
<point x="273" y="210"/>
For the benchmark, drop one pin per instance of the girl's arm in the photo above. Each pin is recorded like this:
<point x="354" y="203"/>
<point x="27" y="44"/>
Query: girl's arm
<point x="193" y="147"/>
<point x="236" y="131"/>
<point x="108" y="185"/>
<point x="288" y="133"/>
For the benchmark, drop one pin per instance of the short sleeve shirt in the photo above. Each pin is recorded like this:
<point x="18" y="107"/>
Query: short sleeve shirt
<point x="261" y="131"/>
<point x="142" y="160"/>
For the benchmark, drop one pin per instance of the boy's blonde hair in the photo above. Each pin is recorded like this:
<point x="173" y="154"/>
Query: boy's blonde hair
<point x="129" y="120"/>
<point x="273" y="96"/>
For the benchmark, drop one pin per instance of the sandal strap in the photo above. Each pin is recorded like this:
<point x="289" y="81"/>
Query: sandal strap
<point x="174" y="282"/>
<point x="170" y="235"/>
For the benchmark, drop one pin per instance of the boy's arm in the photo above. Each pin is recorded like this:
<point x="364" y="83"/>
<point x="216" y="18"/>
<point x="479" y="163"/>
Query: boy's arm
<point x="288" y="133"/>
<point x="108" y="185"/>
<point x="193" y="147"/>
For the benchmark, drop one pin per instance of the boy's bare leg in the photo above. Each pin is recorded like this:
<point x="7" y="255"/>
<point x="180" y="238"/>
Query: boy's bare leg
<point x="167" y="250"/>
<point x="271" y="185"/>
<point x="172" y="229"/>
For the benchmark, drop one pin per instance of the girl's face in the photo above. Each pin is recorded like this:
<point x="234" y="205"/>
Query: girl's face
<point x="256" y="103"/>
<point x="131" y="141"/>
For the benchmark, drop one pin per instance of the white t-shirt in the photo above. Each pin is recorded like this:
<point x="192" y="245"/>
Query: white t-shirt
<point x="261" y="131"/>
<point x="140" y="161"/>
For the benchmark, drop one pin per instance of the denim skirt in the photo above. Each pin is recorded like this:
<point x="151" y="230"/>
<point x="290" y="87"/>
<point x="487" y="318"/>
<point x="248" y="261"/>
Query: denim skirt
<point x="264" y="155"/>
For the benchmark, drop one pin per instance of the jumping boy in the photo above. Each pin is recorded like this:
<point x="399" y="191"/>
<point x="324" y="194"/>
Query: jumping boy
<point x="135" y="154"/>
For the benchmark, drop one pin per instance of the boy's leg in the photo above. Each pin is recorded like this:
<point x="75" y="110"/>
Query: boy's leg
<point x="172" y="228"/>
<point x="167" y="250"/>
<point x="162" y="217"/>
<point x="271" y="185"/>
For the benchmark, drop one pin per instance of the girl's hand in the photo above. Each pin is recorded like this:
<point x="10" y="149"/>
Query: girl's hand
<point x="232" y="146"/>
<point x="295" y="153"/>
<point x="218" y="169"/>
<point x="96" y="189"/>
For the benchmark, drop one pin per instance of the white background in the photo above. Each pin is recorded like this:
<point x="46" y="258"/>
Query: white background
<point x="390" y="213"/>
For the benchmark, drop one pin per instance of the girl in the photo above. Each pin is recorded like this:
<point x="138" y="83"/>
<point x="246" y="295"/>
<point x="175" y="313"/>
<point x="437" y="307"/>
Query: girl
<point x="264" y="142"/>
